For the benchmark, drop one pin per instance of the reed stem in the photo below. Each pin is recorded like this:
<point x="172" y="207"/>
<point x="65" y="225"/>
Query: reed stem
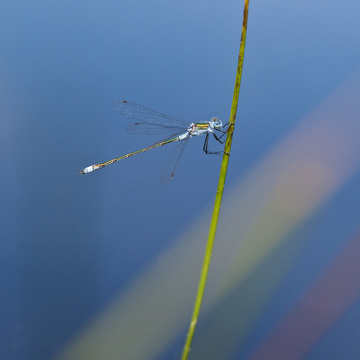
<point x="219" y="191"/>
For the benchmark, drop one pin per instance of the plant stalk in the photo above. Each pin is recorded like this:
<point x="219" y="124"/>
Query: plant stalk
<point x="219" y="191"/>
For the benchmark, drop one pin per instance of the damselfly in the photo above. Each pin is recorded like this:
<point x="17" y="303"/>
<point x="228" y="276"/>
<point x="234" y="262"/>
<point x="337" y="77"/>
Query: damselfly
<point x="151" y="122"/>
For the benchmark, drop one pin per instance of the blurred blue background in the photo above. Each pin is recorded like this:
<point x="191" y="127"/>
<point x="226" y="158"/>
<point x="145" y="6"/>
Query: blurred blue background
<point x="71" y="244"/>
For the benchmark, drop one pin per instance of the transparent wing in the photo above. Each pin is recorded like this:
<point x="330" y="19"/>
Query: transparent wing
<point x="172" y="162"/>
<point x="152" y="129"/>
<point x="145" y="115"/>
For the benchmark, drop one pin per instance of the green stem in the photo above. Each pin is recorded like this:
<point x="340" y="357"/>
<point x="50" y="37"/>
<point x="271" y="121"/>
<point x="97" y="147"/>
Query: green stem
<point x="219" y="191"/>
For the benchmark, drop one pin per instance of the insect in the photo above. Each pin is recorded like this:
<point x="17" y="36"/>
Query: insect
<point x="151" y="122"/>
